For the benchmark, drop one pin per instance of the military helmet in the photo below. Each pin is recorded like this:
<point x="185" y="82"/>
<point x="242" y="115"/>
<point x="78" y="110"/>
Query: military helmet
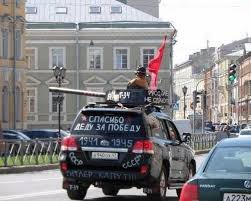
<point x="141" y="70"/>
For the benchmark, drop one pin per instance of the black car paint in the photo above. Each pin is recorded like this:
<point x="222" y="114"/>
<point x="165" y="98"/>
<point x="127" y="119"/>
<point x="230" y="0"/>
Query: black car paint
<point x="175" y="156"/>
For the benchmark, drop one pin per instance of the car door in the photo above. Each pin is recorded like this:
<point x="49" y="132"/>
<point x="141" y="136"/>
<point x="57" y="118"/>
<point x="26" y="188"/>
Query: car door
<point x="178" y="152"/>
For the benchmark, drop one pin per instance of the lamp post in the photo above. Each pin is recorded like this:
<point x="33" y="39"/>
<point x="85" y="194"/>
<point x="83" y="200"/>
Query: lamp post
<point x="184" y="89"/>
<point x="59" y="73"/>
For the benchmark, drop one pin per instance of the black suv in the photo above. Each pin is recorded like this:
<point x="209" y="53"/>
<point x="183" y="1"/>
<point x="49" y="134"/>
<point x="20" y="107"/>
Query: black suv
<point x="116" y="148"/>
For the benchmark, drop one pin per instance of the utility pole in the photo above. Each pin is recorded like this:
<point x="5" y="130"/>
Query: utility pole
<point x="14" y="64"/>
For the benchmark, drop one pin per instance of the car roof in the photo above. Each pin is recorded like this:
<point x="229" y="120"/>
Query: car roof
<point x="235" y="142"/>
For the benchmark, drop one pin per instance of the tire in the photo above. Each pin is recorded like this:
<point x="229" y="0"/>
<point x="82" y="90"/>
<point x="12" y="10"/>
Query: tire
<point x="77" y="195"/>
<point x="110" y="191"/>
<point x="161" y="186"/>
<point x="191" y="174"/>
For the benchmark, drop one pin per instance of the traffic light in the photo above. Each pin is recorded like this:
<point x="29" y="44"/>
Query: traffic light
<point x="204" y="100"/>
<point x="232" y="72"/>
<point x="196" y="98"/>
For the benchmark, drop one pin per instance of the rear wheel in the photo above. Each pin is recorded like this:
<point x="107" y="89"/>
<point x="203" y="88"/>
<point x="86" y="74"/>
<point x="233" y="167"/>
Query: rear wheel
<point x="110" y="191"/>
<point x="77" y="195"/>
<point x="160" y="189"/>
<point x="191" y="174"/>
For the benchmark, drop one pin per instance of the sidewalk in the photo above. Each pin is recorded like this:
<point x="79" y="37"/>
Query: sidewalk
<point x="32" y="168"/>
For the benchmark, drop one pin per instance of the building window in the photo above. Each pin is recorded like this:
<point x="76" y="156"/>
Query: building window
<point x="5" y="43"/>
<point x="31" y="10"/>
<point x="95" y="9"/>
<point x="54" y="101"/>
<point x="5" y="2"/>
<point x="5" y="104"/>
<point x="31" y="100"/>
<point x="31" y="58"/>
<point x="18" y="104"/>
<point x="18" y="76"/>
<point x="18" y="3"/>
<point x="18" y="44"/>
<point x="95" y="56"/>
<point x="90" y="99"/>
<point x="61" y="10"/>
<point x="116" y="9"/>
<point x="121" y="58"/>
<point x="57" y="56"/>
<point x="5" y="74"/>
<point x="146" y="55"/>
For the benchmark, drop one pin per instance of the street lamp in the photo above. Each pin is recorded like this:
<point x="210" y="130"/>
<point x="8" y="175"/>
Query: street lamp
<point x="59" y="73"/>
<point x="184" y="89"/>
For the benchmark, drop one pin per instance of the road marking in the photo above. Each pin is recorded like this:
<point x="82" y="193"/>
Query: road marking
<point x="13" y="197"/>
<point x="33" y="180"/>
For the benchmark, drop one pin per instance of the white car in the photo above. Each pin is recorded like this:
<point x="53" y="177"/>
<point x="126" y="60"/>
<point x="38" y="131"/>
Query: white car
<point x="245" y="132"/>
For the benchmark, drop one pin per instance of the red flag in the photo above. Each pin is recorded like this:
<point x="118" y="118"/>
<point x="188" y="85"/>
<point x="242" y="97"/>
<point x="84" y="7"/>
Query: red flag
<point x="154" y="65"/>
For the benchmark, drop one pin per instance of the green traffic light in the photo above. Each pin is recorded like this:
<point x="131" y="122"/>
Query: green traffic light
<point x="232" y="77"/>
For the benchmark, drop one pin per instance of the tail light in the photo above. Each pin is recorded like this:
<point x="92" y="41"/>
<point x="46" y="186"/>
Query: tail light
<point x="63" y="166"/>
<point x="143" y="169"/>
<point x="143" y="146"/>
<point x="69" y="143"/>
<point x="189" y="192"/>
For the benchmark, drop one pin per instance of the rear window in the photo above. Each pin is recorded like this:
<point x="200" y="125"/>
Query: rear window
<point x="117" y="123"/>
<point x="245" y="132"/>
<point x="230" y="159"/>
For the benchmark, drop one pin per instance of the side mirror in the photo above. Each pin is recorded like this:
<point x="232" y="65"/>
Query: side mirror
<point x="186" y="137"/>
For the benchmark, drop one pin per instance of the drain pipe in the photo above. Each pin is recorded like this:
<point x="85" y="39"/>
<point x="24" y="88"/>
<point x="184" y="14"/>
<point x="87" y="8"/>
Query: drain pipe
<point x="77" y="63"/>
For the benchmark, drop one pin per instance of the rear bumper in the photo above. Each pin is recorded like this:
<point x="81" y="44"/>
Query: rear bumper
<point x="92" y="176"/>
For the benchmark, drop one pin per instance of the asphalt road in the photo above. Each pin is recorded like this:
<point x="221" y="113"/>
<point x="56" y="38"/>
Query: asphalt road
<point x="46" y="185"/>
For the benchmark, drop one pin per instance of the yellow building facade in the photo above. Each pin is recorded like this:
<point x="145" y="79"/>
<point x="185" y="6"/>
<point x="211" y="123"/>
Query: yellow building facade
<point x="12" y="64"/>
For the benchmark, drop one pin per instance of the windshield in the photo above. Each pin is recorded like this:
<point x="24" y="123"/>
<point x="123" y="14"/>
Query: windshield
<point x="230" y="159"/>
<point x="103" y="122"/>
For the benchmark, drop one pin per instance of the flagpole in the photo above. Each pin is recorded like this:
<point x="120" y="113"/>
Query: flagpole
<point x="173" y="41"/>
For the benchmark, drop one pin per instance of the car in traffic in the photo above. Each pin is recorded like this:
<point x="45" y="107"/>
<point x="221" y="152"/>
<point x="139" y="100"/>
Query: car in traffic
<point x="13" y="140"/>
<point x="116" y="148"/>
<point x="14" y="134"/>
<point x="44" y="133"/>
<point x="245" y="133"/>
<point x="225" y="174"/>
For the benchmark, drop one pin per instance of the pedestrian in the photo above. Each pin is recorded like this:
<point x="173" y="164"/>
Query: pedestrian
<point x="140" y="81"/>
<point x="226" y="130"/>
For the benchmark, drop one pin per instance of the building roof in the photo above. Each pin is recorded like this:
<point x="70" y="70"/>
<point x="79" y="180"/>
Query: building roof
<point x="69" y="11"/>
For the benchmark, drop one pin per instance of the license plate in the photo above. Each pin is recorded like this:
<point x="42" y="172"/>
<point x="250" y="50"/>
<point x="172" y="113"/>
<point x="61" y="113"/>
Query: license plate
<point x="105" y="155"/>
<point x="236" y="197"/>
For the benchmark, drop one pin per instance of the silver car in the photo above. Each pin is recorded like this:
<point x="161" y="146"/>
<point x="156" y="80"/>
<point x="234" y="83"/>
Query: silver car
<point x="245" y="132"/>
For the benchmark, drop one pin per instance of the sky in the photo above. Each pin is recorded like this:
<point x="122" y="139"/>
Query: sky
<point x="198" y="21"/>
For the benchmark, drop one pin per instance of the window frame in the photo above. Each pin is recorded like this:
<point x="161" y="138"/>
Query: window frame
<point x="51" y="104"/>
<point x="18" y="48"/>
<point x="116" y="12"/>
<point x="59" y="10"/>
<point x="142" y="54"/>
<point x="35" y="100"/>
<point x="35" y="59"/>
<point x="5" y="104"/>
<point x="115" y="58"/>
<point x="31" y="12"/>
<point x="51" y="56"/>
<point x="5" y="2"/>
<point x="18" y="3"/>
<point x="5" y="43"/>
<point x="101" y="58"/>
<point x="93" y="11"/>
